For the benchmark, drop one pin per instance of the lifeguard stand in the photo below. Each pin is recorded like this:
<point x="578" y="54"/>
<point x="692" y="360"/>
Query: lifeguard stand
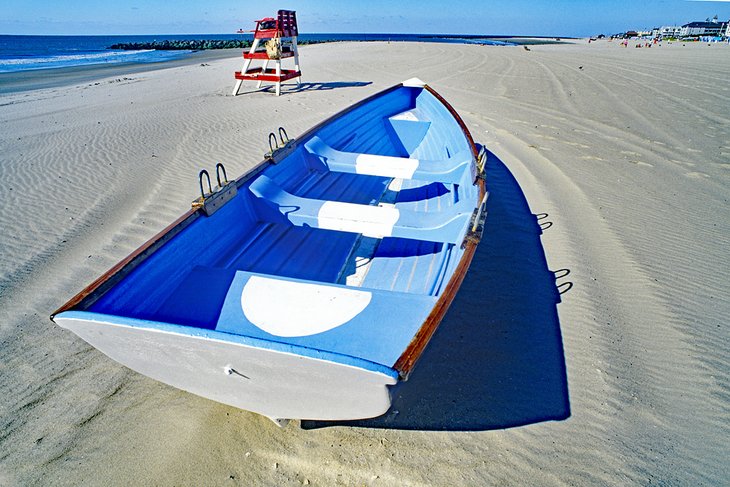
<point x="273" y="40"/>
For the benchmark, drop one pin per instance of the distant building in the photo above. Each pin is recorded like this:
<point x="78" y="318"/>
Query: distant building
<point x="669" y="31"/>
<point x="710" y="28"/>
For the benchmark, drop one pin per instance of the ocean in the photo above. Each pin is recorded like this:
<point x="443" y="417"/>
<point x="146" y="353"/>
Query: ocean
<point x="24" y="53"/>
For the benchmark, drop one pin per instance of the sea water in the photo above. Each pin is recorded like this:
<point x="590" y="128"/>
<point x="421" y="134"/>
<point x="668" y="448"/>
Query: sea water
<point x="23" y="53"/>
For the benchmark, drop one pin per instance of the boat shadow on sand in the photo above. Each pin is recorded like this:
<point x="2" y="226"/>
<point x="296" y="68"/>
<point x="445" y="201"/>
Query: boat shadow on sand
<point x="497" y="359"/>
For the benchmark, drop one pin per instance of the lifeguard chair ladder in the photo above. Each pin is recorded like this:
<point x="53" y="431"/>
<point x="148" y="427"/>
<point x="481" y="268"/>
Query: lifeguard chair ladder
<point x="283" y="30"/>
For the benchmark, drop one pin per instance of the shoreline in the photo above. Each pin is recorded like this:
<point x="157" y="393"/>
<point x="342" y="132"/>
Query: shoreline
<point x="28" y="80"/>
<point x="36" y="79"/>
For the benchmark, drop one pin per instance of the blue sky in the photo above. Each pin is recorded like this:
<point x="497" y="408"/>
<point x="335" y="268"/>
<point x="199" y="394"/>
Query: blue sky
<point x="515" y="17"/>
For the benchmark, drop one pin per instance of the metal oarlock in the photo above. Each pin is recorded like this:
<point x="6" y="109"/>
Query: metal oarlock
<point x="482" y="161"/>
<point x="476" y="224"/>
<point x="202" y="173"/>
<point x="282" y="135"/>
<point x="273" y="142"/>
<point x="215" y="199"/>
<point x="218" y="168"/>
<point x="478" y="168"/>
<point x="278" y="152"/>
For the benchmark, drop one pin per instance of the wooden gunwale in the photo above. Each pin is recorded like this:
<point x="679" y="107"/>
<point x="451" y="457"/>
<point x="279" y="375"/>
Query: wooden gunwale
<point x="407" y="361"/>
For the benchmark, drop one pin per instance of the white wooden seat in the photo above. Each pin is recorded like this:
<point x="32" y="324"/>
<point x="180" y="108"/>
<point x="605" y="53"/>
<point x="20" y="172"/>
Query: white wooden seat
<point x="449" y="170"/>
<point x="372" y="221"/>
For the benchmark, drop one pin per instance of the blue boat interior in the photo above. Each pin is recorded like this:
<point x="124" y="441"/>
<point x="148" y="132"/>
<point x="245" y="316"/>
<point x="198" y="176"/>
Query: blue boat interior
<point x="377" y="199"/>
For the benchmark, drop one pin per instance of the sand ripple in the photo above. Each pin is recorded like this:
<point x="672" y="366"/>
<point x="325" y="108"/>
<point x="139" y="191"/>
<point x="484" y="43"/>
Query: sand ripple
<point x="623" y="149"/>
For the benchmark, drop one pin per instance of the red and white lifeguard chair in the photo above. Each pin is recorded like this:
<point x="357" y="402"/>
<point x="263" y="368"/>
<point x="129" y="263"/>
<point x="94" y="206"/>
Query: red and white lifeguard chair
<point x="273" y="40"/>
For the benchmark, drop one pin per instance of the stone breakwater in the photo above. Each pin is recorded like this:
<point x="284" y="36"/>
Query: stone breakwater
<point x="182" y="45"/>
<point x="189" y="45"/>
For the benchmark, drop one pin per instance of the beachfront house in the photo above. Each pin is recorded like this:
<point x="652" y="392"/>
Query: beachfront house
<point x="668" y="31"/>
<point x="708" y="28"/>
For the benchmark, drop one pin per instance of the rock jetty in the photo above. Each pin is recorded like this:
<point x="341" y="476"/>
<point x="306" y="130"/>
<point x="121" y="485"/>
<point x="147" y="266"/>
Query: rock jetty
<point x="188" y="45"/>
<point x="182" y="45"/>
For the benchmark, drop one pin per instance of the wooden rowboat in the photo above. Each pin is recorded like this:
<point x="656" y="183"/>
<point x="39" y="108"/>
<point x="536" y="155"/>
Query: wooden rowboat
<point x="309" y="286"/>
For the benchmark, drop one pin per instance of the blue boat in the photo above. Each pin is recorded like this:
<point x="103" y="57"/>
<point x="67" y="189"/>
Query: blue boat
<point x="308" y="287"/>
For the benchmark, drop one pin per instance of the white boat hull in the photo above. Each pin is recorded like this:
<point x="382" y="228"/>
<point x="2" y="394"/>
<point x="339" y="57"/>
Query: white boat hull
<point x="269" y="382"/>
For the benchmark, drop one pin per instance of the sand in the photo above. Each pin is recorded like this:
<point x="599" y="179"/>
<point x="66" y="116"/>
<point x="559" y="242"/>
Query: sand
<point x="609" y="181"/>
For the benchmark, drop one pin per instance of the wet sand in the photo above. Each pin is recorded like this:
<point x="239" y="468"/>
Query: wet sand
<point x="37" y="79"/>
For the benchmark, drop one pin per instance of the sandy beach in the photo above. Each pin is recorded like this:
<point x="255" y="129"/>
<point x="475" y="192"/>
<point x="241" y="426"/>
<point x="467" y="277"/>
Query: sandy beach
<point x="589" y="344"/>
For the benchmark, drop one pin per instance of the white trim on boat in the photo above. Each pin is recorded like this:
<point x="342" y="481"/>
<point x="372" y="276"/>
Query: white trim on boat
<point x="394" y="167"/>
<point x="407" y="115"/>
<point x="414" y="83"/>
<point x="372" y="221"/>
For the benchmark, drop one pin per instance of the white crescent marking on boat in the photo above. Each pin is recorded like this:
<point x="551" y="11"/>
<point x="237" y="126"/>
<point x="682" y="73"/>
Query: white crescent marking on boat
<point x="296" y="309"/>
<point x="394" y="167"/>
<point x="371" y="221"/>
